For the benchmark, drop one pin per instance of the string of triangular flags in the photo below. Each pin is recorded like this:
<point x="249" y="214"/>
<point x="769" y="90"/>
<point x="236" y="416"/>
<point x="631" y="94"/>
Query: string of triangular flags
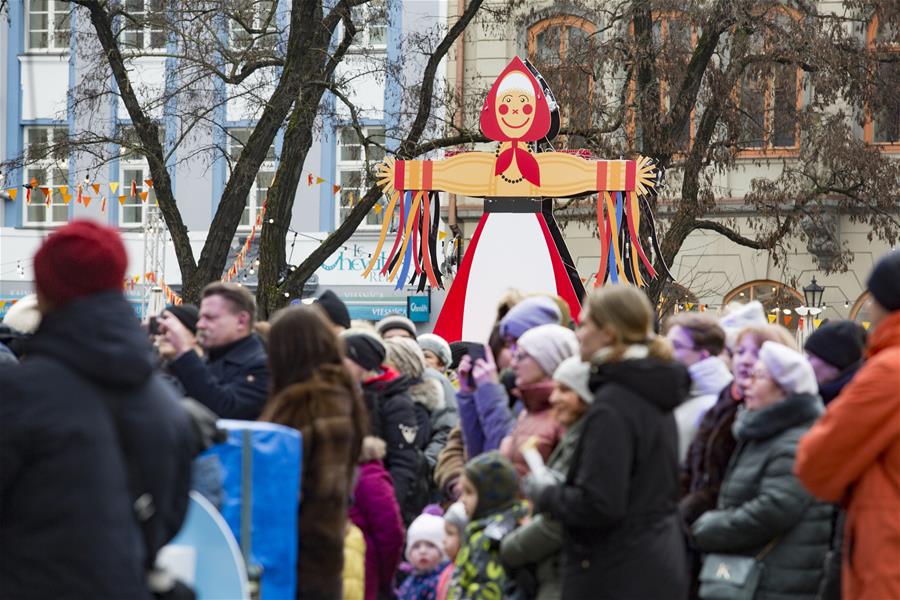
<point x="171" y="296"/>
<point x="81" y="192"/>
<point x="241" y="257"/>
<point x="313" y="179"/>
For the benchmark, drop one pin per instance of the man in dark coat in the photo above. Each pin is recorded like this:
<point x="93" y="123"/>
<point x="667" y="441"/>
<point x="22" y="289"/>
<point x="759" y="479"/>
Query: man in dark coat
<point x="234" y="382"/>
<point x="835" y="352"/>
<point x="86" y="426"/>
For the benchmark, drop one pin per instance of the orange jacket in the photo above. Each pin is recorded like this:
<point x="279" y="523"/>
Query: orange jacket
<point x="852" y="455"/>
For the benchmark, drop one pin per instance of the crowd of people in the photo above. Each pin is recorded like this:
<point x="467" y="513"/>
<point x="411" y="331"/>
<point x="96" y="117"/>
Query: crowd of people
<point x="617" y="457"/>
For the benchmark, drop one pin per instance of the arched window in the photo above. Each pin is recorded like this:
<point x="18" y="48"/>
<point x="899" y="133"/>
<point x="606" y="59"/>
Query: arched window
<point x="862" y="309"/>
<point x="882" y="125"/>
<point x="770" y="93"/>
<point x="778" y="300"/>
<point x="560" y="47"/>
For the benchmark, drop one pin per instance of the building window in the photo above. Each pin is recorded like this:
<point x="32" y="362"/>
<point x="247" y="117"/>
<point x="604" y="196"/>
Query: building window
<point x="252" y="24"/>
<point x="145" y="32"/>
<point x="133" y="171"/>
<point x="770" y="96"/>
<point x="48" y="165"/>
<point x="237" y="139"/>
<point x="351" y="170"/>
<point x="883" y="116"/>
<point x="561" y="49"/>
<point x="48" y="24"/>
<point x="371" y="21"/>
<point x="862" y="309"/>
<point x="779" y="300"/>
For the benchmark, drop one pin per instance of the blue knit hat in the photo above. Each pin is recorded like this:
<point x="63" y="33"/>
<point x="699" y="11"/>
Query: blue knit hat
<point x="529" y="313"/>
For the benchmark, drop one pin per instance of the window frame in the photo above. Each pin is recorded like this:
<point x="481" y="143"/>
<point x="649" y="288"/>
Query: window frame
<point x="566" y="21"/>
<point x="268" y="165"/>
<point x="341" y="166"/>
<point x="51" y="12"/>
<point x="739" y="294"/>
<point x="127" y="162"/>
<point x="257" y="23"/>
<point x="146" y="31"/>
<point x="768" y="150"/>
<point x="362" y="40"/>
<point x="869" y="125"/>
<point x="48" y="165"/>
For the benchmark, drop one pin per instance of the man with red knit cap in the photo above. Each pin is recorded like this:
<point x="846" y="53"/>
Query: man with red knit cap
<point x="86" y="428"/>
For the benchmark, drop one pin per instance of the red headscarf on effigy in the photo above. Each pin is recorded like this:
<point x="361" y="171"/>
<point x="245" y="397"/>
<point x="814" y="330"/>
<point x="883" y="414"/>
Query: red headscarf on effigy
<point x="527" y="164"/>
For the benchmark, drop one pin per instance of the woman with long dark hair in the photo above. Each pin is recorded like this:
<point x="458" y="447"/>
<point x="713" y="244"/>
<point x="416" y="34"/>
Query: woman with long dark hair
<point x="312" y="391"/>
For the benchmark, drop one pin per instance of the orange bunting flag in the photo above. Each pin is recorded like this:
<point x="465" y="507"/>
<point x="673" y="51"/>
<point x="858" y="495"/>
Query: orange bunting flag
<point x="788" y="321"/>
<point x="309" y="179"/>
<point x="79" y="194"/>
<point x="772" y="318"/>
<point x="47" y="194"/>
<point x="86" y="200"/>
<point x="690" y="305"/>
<point x="103" y="204"/>
<point x="866" y="325"/>
<point x="28" y="195"/>
<point x="33" y="183"/>
<point x="63" y="190"/>
<point x="319" y="180"/>
<point x="335" y="189"/>
<point x="133" y="187"/>
<point x="122" y="199"/>
<point x="113" y="186"/>
<point x="96" y="187"/>
<point x="13" y="192"/>
<point x="149" y="183"/>
<point x="378" y="209"/>
<point x="817" y="322"/>
<point x="66" y="198"/>
<point x="442" y="235"/>
<point x="144" y="196"/>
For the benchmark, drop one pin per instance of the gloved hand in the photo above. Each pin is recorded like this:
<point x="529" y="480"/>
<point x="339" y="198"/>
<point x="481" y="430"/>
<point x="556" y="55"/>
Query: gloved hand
<point x="534" y="485"/>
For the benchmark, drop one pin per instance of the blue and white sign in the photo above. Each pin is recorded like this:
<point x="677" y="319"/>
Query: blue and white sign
<point x="418" y="308"/>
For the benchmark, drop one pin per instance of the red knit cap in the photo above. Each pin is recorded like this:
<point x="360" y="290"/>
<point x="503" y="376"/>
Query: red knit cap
<point x="80" y="259"/>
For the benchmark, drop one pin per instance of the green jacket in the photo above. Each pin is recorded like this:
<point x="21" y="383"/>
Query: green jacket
<point x="761" y="500"/>
<point x="541" y="540"/>
<point x="478" y="572"/>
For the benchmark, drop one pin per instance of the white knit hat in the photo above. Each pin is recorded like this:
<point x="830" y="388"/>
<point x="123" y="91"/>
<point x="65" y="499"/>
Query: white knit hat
<point x="549" y="345"/>
<point x="740" y="316"/>
<point x="426" y="528"/>
<point x="788" y="368"/>
<point x="24" y="316"/>
<point x="437" y="345"/>
<point x="574" y="373"/>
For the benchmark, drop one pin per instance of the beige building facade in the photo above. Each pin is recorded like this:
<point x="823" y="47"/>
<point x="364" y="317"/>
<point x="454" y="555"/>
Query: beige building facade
<point x="710" y="269"/>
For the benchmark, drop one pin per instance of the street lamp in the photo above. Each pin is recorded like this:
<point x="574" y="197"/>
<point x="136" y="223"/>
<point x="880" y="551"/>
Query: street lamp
<point x="812" y="294"/>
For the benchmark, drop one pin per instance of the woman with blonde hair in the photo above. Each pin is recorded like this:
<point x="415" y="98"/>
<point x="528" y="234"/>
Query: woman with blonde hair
<point x="618" y="503"/>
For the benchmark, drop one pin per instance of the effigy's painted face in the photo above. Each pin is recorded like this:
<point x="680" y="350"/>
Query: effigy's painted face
<point x="515" y="112"/>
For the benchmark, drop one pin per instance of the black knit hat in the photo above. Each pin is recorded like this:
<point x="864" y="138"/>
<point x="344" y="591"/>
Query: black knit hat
<point x="839" y="343"/>
<point x="186" y="313"/>
<point x="335" y="308"/>
<point x="884" y="282"/>
<point x="364" y="349"/>
<point x="457" y="351"/>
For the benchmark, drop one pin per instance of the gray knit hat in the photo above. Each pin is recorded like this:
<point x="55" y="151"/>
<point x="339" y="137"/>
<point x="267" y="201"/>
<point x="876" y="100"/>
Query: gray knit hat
<point x="406" y="356"/>
<point x="437" y="345"/>
<point x="395" y="322"/>
<point x="456" y="516"/>
<point x="549" y="345"/>
<point x="574" y="373"/>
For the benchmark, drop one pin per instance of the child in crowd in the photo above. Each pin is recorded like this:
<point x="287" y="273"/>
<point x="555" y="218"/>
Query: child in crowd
<point x="425" y="551"/>
<point x="490" y="489"/>
<point x="455" y="521"/>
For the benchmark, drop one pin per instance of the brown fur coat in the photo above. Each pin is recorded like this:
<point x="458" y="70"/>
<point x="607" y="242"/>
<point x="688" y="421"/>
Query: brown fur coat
<point x="330" y="415"/>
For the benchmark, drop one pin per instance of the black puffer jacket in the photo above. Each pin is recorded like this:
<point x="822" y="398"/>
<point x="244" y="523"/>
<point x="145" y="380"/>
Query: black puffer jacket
<point x="67" y="529"/>
<point x="619" y="505"/>
<point x="393" y="418"/>
<point x="762" y="500"/>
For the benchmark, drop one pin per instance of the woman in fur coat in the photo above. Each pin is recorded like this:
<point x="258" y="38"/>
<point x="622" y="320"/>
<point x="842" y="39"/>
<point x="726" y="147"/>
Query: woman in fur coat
<point x="312" y="392"/>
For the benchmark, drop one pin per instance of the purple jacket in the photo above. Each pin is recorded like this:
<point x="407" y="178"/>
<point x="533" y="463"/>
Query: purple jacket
<point x="376" y="512"/>
<point x="484" y="418"/>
